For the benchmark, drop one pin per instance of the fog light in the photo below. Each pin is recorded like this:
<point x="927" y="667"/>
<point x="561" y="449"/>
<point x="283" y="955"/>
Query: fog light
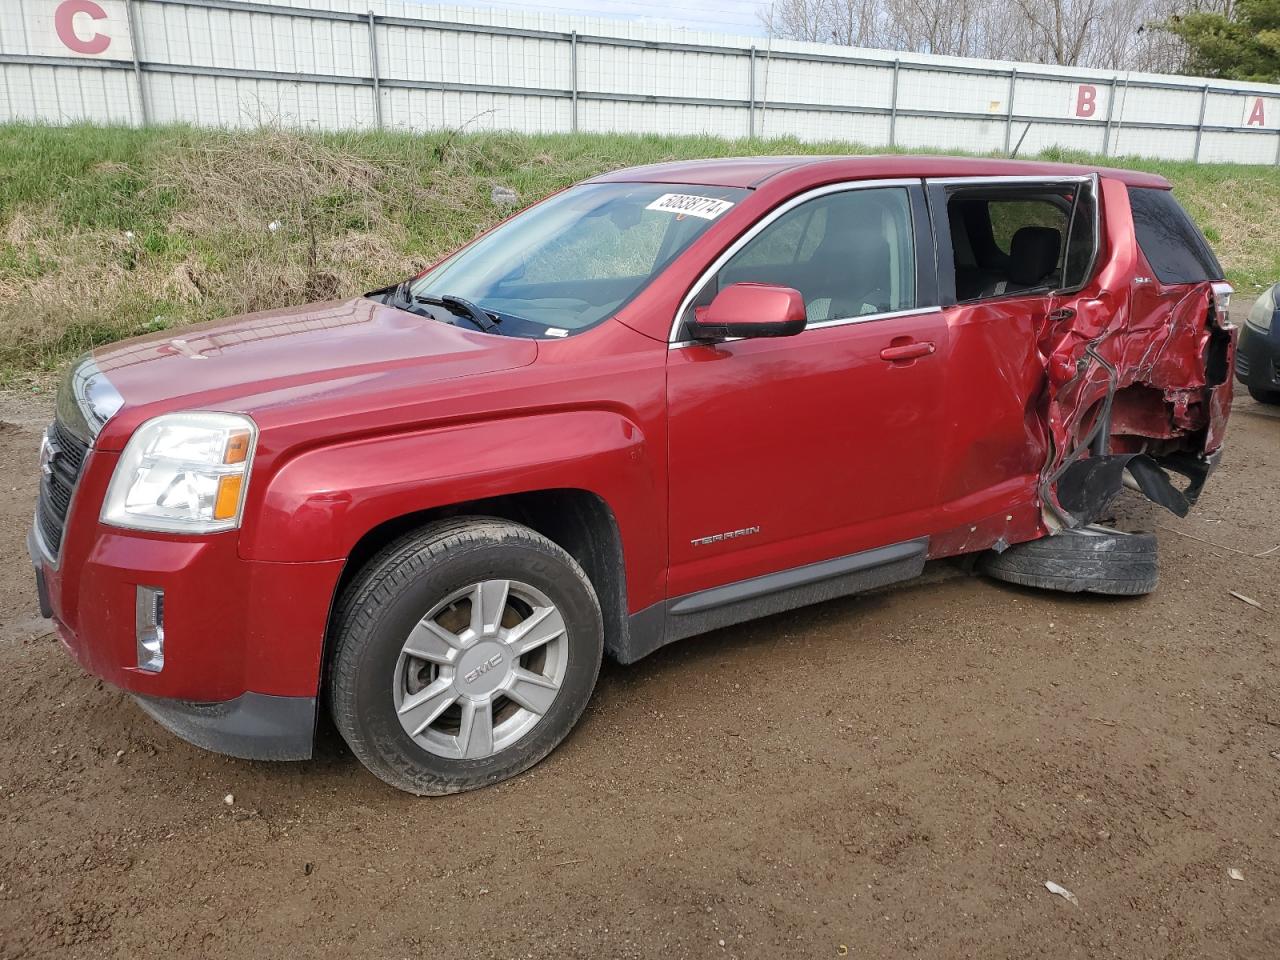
<point x="149" y="621"/>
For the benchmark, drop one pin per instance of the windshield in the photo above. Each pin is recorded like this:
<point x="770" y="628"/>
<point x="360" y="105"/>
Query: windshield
<point x="577" y="258"/>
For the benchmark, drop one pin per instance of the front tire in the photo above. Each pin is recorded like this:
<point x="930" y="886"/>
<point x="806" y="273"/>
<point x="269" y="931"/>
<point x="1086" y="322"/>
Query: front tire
<point x="1265" y="396"/>
<point x="464" y="653"/>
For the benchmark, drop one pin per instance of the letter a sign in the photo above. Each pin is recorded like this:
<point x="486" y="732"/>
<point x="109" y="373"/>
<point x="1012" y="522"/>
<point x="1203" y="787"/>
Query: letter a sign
<point x="1255" y="112"/>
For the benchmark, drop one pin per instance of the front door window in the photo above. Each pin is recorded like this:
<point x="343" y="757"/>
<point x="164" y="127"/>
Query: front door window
<point x="850" y="254"/>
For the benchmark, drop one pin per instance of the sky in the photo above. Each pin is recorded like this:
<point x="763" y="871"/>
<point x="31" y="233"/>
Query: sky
<point x="724" y="16"/>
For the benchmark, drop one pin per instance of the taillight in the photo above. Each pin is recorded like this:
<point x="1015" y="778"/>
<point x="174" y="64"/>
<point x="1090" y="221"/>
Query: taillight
<point x="1222" y="292"/>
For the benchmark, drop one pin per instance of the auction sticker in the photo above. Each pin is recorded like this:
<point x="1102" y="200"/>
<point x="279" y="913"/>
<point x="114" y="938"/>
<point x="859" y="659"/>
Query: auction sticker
<point x="708" y="208"/>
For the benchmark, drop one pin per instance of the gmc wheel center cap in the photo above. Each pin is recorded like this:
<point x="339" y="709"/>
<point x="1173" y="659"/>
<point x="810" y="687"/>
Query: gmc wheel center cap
<point x="482" y="669"/>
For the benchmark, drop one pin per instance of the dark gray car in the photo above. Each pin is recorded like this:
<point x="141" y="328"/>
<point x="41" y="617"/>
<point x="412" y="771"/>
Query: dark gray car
<point x="1258" y="355"/>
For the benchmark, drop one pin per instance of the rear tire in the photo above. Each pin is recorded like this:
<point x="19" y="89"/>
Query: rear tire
<point x="464" y="653"/>
<point x="1091" y="559"/>
<point x="1265" y="396"/>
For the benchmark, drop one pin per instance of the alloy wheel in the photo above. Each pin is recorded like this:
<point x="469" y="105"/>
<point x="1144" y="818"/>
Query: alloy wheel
<point x="480" y="669"/>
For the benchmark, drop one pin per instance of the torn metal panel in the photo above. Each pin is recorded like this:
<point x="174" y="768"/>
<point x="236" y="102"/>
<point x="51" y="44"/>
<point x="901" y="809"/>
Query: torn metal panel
<point x="1088" y="486"/>
<point x="1137" y="381"/>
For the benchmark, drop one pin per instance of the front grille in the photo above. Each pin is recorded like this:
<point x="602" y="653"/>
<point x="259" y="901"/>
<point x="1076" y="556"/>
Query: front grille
<point x="1242" y="366"/>
<point x="60" y="471"/>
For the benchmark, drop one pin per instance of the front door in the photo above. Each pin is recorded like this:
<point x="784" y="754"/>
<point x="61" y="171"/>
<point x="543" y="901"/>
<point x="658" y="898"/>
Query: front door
<point x="790" y="451"/>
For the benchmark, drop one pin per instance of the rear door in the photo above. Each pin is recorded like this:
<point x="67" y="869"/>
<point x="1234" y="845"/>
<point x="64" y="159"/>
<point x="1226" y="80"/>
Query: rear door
<point x="1007" y="247"/>
<point x="789" y="451"/>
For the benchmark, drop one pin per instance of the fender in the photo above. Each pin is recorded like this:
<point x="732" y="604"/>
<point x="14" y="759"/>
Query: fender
<point x="319" y="503"/>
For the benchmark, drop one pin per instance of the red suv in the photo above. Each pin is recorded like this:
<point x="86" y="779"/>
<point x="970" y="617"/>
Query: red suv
<point x="665" y="400"/>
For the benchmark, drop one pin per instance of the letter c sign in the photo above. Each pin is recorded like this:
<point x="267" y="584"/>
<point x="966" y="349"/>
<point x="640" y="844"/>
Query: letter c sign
<point x="64" y="22"/>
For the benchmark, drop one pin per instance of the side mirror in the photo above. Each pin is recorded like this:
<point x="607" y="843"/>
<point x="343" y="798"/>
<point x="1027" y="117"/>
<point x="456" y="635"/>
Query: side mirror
<point x="752" y="310"/>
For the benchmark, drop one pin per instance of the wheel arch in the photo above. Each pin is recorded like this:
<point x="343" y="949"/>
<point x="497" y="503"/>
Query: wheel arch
<point x="577" y="520"/>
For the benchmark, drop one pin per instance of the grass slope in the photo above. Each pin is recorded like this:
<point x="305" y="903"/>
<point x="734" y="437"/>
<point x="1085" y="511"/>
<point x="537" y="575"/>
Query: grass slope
<point x="109" y="232"/>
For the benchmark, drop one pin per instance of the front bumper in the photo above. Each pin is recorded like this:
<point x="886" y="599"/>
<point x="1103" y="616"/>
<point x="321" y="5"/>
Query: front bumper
<point x="1258" y="359"/>
<point x="42" y="587"/>
<point x="243" y="639"/>
<point x="253" y="726"/>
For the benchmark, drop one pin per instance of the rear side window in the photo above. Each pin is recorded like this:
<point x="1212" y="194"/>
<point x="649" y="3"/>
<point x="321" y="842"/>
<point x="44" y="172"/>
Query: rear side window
<point x="1173" y="245"/>
<point x="1015" y="241"/>
<point x="1010" y="216"/>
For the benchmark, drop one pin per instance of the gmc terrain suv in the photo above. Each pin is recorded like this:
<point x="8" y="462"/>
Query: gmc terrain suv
<point x="663" y="401"/>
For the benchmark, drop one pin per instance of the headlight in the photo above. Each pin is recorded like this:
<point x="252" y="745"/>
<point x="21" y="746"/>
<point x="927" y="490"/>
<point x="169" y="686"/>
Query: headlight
<point x="1263" y="310"/>
<point x="183" y="473"/>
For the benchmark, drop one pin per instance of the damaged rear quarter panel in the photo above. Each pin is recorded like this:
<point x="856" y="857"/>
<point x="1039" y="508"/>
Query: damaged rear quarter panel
<point x="1176" y="347"/>
<point x="1137" y="367"/>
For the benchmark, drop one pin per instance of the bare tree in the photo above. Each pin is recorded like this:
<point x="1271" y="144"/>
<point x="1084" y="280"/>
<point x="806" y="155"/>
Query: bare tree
<point x="934" y="26"/>
<point x="849" y="23"/>
<point x="1113" y="34"/>
<point x="797" y="20"/>
<point x="1061" y="27"/>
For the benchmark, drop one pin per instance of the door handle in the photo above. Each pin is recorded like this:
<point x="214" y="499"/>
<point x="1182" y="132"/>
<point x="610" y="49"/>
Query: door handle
<point x="1062" y="313"/>
<point x="907" y="351"/>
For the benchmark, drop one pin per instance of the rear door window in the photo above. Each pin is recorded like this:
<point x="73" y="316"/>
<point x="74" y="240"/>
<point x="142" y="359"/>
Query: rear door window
<point x="1171" y="242"/>
<point x="1010" y="216"/>
<point x="1010" y="241"/>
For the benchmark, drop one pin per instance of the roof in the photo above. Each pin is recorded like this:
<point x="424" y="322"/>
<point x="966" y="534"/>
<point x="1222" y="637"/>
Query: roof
<point x="754" y="171"/>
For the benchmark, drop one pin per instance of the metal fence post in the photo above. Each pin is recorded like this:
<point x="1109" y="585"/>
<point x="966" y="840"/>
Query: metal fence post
<point x="1124" y="95"/>
<point x="751" y="95"/>
<point x="573" y="69"/>
<point x="1111" y="109"/>
<point x="893" y="104"/>
<point x="131" y="16"/>
<point x="1008" y="119"/>
<point x="1204" y="105"/>
<point x="373" y="66"/>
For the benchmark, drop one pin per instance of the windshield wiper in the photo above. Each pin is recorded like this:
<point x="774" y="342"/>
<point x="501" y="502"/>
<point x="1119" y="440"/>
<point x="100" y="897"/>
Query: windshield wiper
<point x="397" y="293"/>
<point x="401" y="291"/>
<point x="463" y="308"/>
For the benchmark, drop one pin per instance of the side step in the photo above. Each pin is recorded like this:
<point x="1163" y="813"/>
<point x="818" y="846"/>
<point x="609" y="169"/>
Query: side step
<point x="696" y="613"/>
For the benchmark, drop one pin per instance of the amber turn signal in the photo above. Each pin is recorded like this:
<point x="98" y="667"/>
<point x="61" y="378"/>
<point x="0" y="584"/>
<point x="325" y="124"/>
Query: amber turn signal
<point x="227" y="503"/>
<point x="237" y="447"/>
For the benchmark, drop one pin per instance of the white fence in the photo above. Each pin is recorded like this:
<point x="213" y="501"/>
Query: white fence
<point x="334" y="64"/>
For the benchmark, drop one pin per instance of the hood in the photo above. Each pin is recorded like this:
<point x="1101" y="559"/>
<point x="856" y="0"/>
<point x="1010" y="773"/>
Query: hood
<point x="237" y="364"/>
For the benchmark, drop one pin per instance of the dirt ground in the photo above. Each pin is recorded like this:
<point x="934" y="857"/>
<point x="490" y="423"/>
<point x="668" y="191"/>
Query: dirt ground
<point x="885" y="776"/>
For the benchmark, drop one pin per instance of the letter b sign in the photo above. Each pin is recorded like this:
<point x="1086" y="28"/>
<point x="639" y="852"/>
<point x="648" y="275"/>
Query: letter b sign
<point x="1086" y="100"/>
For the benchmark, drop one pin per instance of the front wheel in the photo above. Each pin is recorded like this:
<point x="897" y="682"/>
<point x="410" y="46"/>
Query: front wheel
<point x="463" y="654"/>
<point x="1265" y="396"/>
